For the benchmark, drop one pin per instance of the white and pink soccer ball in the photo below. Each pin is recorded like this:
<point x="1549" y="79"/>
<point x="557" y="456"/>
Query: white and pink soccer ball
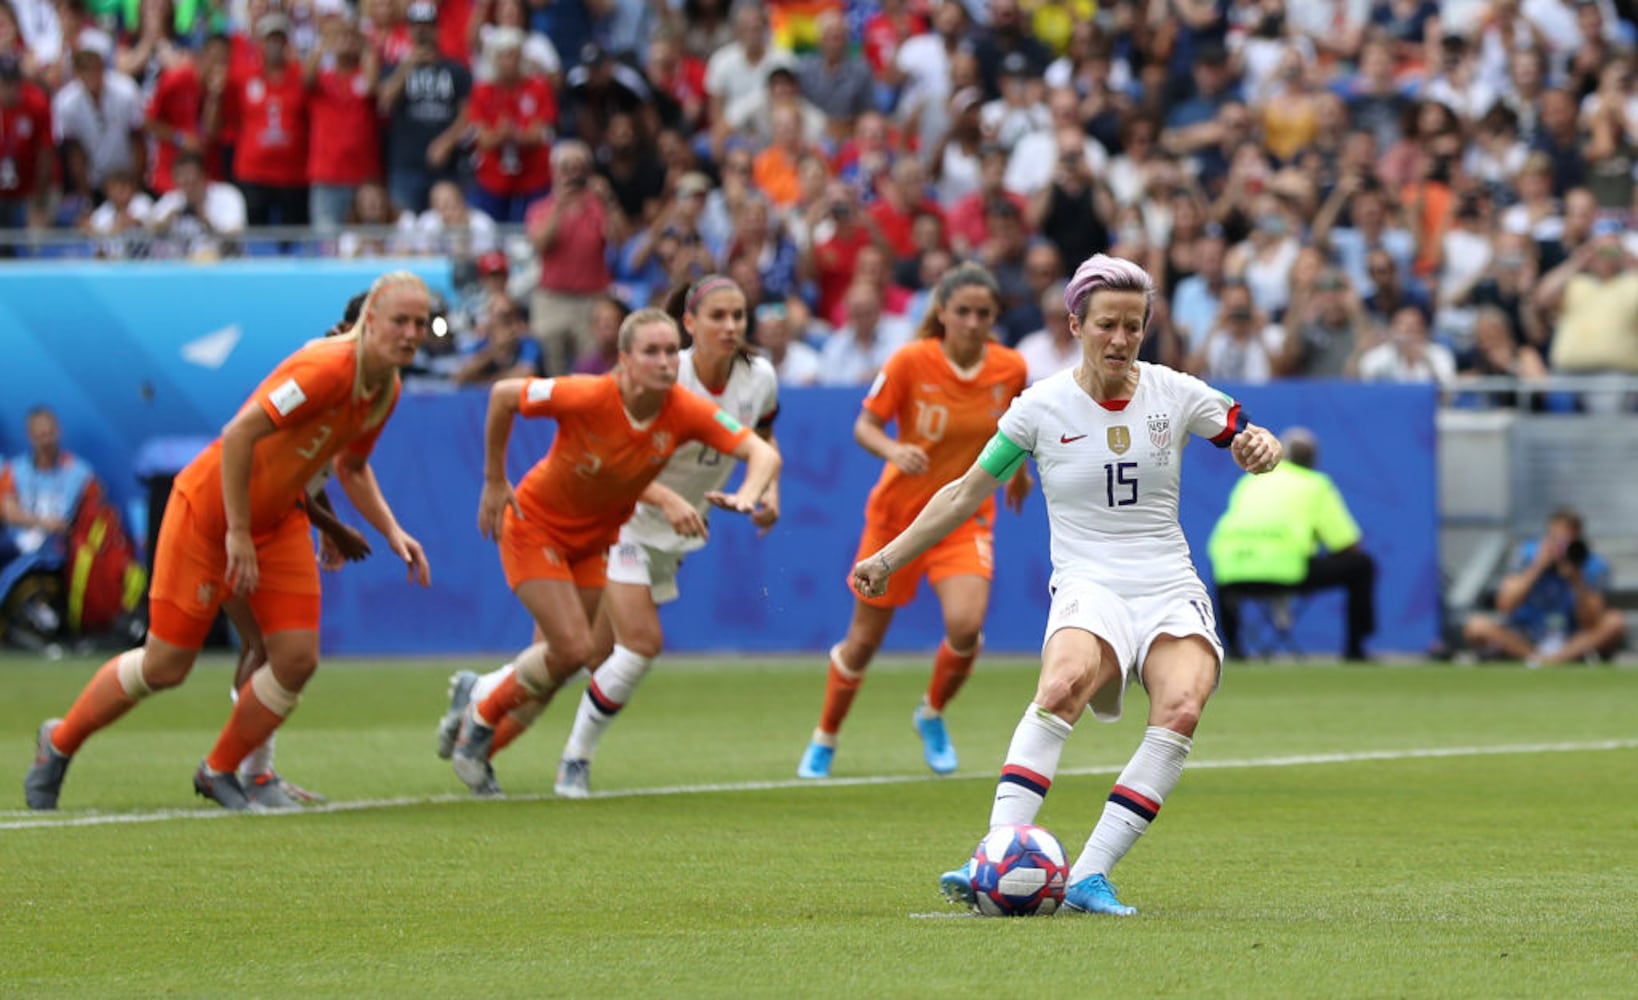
<point x="1019" y="870"/>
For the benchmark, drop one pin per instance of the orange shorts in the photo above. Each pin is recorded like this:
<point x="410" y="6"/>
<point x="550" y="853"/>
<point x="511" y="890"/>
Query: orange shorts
<point x="190" y="577"/>
<point x="967" y="551"/>
<point x="528" y="551"/>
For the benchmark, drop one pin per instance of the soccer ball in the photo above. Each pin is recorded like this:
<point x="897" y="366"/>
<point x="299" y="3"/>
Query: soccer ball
<point x="1019" y="870"/>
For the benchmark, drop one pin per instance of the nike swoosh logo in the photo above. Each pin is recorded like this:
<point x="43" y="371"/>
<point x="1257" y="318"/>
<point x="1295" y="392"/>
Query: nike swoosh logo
<point x="1066" y="439"/>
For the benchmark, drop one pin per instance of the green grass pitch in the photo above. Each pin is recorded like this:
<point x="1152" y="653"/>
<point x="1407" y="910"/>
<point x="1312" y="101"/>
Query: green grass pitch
<point x="1421" y="831"/>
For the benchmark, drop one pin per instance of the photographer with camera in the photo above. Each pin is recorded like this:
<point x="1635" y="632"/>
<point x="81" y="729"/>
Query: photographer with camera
<point x="1552" y="608"/>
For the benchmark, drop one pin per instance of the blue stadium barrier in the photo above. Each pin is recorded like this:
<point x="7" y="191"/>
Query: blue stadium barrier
<point x="124" y="352"/>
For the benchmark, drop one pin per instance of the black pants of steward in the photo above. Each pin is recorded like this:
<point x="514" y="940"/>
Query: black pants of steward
<point x="1355" y="572"/>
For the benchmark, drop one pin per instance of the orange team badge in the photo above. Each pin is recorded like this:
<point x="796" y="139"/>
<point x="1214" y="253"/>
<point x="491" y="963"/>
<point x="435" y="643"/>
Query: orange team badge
<point x="1120" y="439"/>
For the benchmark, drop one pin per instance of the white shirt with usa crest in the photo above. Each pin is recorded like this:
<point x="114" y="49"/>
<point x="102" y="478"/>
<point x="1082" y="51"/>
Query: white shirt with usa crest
<point x="750" y="397"/>
<point x="1111" y="477"/>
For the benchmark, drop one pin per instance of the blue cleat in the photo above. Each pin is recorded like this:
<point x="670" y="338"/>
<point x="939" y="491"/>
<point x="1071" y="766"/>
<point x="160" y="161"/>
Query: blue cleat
<point x="935" y="743"/>
<point x="957" y="886"/>
<point x="815" y="761"/>
<point x="1094" y="894"/>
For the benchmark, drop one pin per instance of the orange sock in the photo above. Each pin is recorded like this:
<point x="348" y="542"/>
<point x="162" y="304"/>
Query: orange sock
<point x="839" y="691"/>
<point x="507" y="730"/>
<point x="508" y="694"/>
<point x="950" y="670"/>
<point x="100" y="704"/>
<point x="247" y="728"/>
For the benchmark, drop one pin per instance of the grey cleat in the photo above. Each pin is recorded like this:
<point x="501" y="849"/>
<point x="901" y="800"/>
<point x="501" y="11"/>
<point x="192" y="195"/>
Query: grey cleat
<point x="470" y="757"/>
<point x="44" y="781"/>
<point x="223" y="789"/>
<point x="573" y="778"/>
<point x="269" y="791"/>
<point x="449" y="727"/>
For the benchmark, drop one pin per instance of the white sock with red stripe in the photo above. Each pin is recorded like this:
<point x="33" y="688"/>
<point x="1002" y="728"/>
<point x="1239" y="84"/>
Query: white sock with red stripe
<point x="1032" y="761"/>
<point x="1148" y="778"/>
<point x="612" y="685"/>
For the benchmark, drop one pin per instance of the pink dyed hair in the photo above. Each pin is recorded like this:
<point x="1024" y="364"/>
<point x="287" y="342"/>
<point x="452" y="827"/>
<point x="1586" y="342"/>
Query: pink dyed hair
<point x="1103" y="273"/>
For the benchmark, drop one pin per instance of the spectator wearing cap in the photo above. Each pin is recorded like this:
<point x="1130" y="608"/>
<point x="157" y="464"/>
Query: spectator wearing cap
<point x="424" y="99"/>
<point x="490" y="276"/>
<point x="738" y="72"/>
<point x="1591" y="301"/>
<point x="269" y="110"/>
<point x="571" y="230"/>
<point x="514" y="118"/>
<point x="599" y="88"/>
<point x="751" y="118"/>
<point x="1019" y="111"/>
<point x="345" y="150"/>
<point x="25" y="134"/>
<point x="98" y="117"/>
<point x="835" y="79"/>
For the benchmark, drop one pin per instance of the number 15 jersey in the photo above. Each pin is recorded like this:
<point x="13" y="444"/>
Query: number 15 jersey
<point x="1111" y="473"/>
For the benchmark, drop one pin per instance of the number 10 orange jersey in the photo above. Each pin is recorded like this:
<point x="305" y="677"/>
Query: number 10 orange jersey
<point x="949" y="414"/>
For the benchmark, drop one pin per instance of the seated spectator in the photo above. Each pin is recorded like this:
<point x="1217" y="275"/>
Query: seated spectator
<point x="376" y="226"/>
<point x="858" y="349"/>
<point x="125" y="213"/>
<point x="835" y="78"/>
<point x="1508" y="284"/>
<point x="1325" y="338"/>
<point x="1264" y="259"/>
<point x="1553" y="608"/>
<point x="40" y="491"/>
<point x="794" y="361"/>
<point x="776" y="170"/>
<point x="1196" y="298"/>
<point x="1291" y="529"/>
<point x="451" y="227"/>
<point x="1019" y="111"/>
<point x="199" y="217"/>
<point x="603" y="351"/>
<point x="1242" y="347"/>
<point x="867" y="158"/>
<point x="505" y="349"/>
<point x="632" y="167"/>
<point x="968" y="217"/>
<point x="491" y="273"/>
<point x="761" y="238"/>
<point x="1592" y="299"/>
<point x="1408" y="355"/>
<point x="1054" y="347"/>
<point x="1371" y="225"/>
<point x="872" y="267"/>
<point x="1496" y="353"/>
<point x="930" y="267"/>
<point x="901" y="199"/>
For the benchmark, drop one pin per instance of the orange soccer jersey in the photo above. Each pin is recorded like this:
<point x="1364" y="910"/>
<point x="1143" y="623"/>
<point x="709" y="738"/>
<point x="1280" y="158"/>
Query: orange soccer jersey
<point x="318" y="412"/>
<point x="576" y="498"/>
<point x="949" y="414"/>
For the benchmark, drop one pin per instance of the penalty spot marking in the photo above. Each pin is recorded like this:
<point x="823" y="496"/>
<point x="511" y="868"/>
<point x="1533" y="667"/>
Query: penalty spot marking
<point x="22" y="819"/>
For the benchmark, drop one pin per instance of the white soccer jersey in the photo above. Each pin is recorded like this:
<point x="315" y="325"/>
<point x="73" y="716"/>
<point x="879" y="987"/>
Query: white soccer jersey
<point x="751" y="397"/>
<point x="1111" y="476"/>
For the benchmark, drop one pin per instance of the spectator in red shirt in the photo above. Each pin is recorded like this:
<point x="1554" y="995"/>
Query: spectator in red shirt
<point x="901" y="196"/>
<point x="838" y="240"/>
<point x="514" y="116"/>
<point x="969" y="228"/>
<point x="270" y="110"/>
<point x="570" y="232"/>
<point x="386" y="30"/>
<point x="679" y="83"/>
<point x="26" y="162"/>
<point x="345" y="150"/>
<point x="175" y="118"/>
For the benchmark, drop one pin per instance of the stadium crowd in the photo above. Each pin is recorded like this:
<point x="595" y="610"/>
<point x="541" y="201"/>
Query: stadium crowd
<point x="1398" y="190"/>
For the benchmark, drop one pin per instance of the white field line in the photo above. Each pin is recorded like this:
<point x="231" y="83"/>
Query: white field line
<point x="20" y="819"/>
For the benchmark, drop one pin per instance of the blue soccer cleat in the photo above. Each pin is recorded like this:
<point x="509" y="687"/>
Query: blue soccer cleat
<point x="957" y="886"/>
<point x="1094" y="894"/>
<point x="935" y="743"/>
<point x="816" y="761"/>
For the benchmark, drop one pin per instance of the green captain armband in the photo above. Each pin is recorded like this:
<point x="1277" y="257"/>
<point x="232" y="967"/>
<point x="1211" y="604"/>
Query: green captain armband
<point x="1001" y="458"/>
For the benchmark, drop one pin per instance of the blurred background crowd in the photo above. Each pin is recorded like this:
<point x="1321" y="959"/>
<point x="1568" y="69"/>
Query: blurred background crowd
<point x="1399" y="190"/>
